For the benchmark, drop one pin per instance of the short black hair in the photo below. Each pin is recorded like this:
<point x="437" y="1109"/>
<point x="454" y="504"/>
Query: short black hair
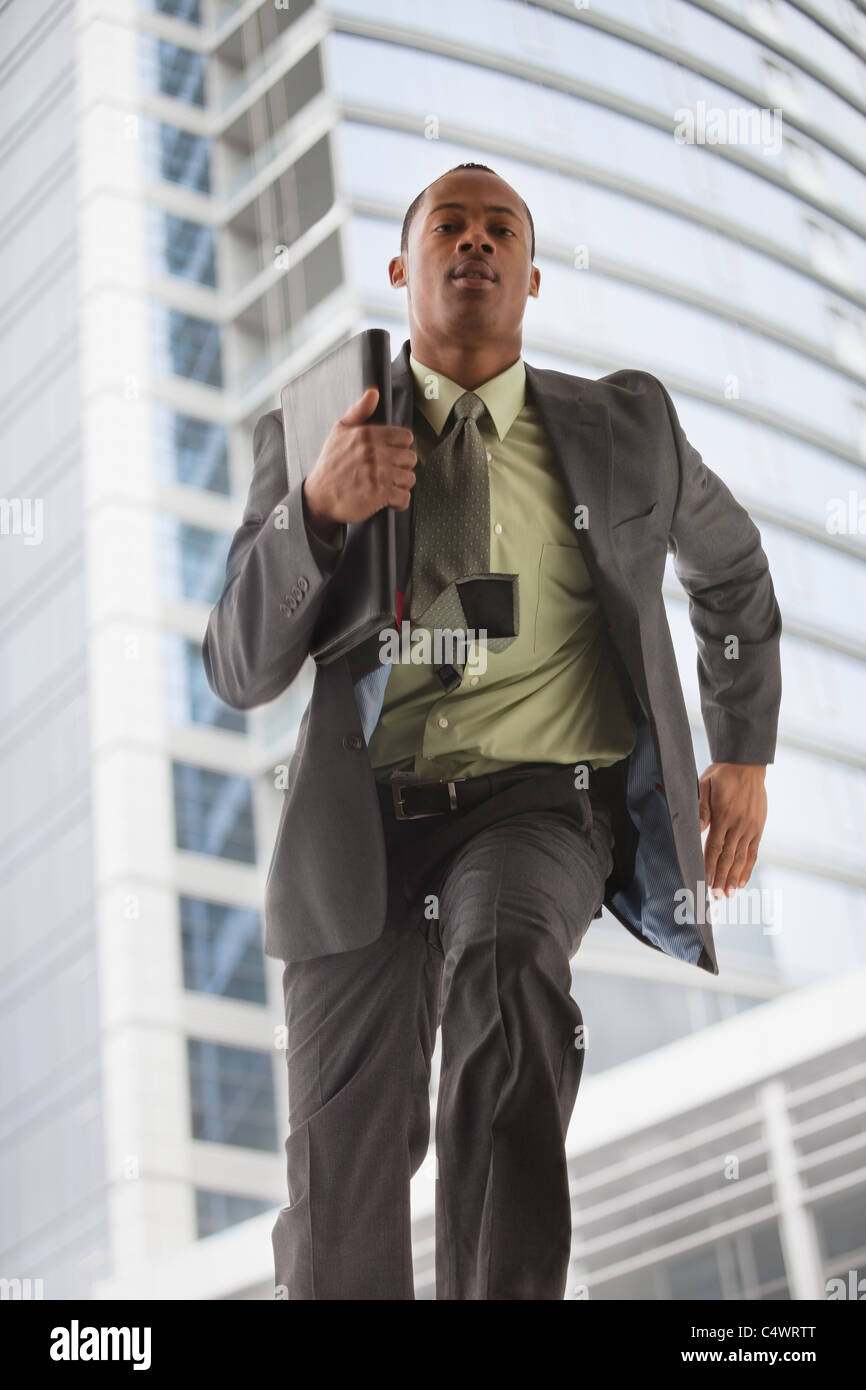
<point x="416" y="203"/>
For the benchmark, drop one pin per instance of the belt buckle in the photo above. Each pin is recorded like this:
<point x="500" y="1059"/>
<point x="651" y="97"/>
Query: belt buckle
<point x="403" y="780"/>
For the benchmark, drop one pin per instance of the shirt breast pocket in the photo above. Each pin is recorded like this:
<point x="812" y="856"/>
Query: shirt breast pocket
<point x="562" y="581"/>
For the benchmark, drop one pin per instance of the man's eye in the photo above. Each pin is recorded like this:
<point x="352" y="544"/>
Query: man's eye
<point x="449" y="227"/>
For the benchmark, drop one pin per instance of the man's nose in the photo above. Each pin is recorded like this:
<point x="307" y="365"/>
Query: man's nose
<point x="471" y="239"/>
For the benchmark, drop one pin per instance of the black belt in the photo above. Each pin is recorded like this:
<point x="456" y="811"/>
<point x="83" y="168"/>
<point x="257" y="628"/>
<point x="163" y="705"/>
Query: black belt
<point x="407" y="798"/>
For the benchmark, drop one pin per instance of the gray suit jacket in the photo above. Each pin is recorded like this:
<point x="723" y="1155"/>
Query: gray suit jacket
<point x="623" y="454"/>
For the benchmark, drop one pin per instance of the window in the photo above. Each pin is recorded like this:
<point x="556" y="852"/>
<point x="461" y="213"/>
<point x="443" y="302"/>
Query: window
<point x="213" y="813"/>
<point x="766" y="15"/>
<point x="847" y="338"/>
<point x="781" y="87"/>
<point x="825" y="250"/>
<point x="231" y="1095"/>
<point x="191" y="451"/>
<point x="184" y="158"/>
<point x="803" y="167"/>
<point x="695" y="1276"/>
<point x="180" y="72"/>
<point x="194" y="347"/>
<point x="840" y="1224"/>
<point x="189" y="698"/>
<point x="187" y="10"/>
<point x="216" y="1211"/>
<point x="222" y="950"/>
<point x="193" y="561"/>
<point x="186" y="249"/>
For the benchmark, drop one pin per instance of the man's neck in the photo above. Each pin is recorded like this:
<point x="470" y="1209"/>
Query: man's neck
<point x="468" y="366"/>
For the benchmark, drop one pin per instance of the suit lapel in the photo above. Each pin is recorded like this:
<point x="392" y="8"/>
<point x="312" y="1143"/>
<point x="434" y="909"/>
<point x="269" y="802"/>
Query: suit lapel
<point x="578" y="428"/>
<point x="581" y="439"/>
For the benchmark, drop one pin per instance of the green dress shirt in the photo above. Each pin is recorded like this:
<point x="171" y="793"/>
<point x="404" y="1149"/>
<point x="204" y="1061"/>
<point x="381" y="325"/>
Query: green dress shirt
<point x="553" y="695"/>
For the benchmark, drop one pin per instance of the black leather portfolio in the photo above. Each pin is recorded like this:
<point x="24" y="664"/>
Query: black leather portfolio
<point x="362" y="592"/>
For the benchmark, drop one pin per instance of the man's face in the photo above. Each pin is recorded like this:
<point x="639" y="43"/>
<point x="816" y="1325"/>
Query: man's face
<point x="468" y="269"/>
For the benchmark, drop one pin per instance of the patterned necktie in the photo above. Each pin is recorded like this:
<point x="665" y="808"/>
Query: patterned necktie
<point x="451" y="509"/>
<point x="452" y="589"/>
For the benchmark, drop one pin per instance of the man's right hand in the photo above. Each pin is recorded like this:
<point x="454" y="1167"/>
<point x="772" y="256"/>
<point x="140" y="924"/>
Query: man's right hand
<point x="361" y="469"/>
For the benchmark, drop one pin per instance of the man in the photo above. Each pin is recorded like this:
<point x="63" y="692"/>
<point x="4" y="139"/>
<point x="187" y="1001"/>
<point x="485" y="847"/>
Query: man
<point x="451" y="828"/>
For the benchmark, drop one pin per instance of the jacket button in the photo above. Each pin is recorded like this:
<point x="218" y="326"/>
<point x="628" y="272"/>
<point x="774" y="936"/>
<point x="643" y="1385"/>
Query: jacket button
<point x="352" y="742"/>
<point x="303" y="583"/>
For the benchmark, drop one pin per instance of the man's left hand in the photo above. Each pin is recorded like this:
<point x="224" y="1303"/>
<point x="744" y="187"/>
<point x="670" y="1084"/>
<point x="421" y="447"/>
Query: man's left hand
<point x="733" y="803"/>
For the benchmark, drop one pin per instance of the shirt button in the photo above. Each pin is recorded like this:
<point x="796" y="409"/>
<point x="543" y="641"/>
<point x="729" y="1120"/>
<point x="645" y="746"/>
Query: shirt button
<point x="442" y="722"/>
<point x="473" y="680"/>
<point x="489" y="456"/>
<point x="498" y="528"/>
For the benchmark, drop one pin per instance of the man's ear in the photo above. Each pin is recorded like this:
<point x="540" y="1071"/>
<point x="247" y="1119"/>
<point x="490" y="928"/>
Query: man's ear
<point x="397" y="271"/>
<point x="534" y="281"/>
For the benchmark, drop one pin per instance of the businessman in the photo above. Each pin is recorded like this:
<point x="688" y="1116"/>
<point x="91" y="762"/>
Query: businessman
<point x="452" y="826"/>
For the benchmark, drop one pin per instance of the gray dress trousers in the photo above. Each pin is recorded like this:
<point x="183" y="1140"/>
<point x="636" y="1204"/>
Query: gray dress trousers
<point x="512" y="885"/>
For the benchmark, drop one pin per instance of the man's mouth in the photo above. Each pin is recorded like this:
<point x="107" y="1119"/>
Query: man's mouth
<point x="474" y="275"/>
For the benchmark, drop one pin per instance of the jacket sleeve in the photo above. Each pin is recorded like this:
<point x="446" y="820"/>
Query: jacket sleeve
<point x="721" y="564"/>
<point x="277" y="574"/>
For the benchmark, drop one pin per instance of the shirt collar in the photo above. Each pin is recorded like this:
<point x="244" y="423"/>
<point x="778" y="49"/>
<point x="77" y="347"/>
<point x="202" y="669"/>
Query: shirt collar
<point x="504" y="395"/>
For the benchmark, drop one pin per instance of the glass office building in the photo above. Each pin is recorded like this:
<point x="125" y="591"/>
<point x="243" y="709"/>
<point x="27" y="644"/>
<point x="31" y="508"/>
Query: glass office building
<point x="201" y="199"/>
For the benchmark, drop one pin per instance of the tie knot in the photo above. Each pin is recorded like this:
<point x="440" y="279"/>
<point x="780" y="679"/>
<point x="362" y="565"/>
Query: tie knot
<point x="469" y="406"/>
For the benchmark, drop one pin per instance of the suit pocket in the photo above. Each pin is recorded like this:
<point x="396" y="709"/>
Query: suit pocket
<point x="638" y="516"/>
<point x="641" y="546"/>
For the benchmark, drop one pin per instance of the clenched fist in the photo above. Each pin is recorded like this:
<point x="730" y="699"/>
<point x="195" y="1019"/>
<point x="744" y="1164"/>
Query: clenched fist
<point x="361" y="468"/>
